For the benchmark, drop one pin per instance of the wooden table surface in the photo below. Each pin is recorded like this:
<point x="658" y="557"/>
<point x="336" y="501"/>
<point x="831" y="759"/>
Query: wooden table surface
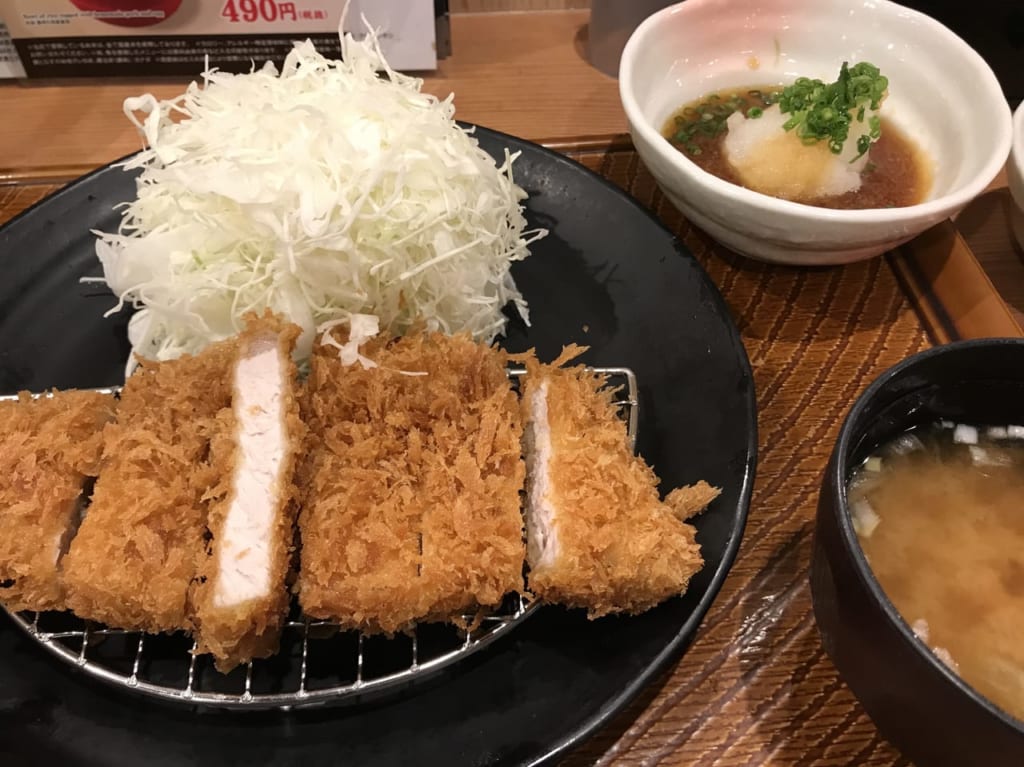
<point x="755" y="688"/>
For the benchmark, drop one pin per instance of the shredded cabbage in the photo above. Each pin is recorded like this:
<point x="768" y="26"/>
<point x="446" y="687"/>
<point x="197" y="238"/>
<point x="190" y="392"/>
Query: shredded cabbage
<point x="320" y="192"/>
<point x="362" y="327"/>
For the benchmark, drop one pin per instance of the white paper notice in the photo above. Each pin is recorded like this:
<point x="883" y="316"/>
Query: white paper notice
<point x="406" y="29"/>
<point x="10" y="64"/>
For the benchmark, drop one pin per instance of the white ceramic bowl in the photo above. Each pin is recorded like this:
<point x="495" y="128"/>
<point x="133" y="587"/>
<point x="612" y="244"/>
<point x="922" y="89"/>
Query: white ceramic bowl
<point x="941" y="93"/>
<point x="1015" y="175"/>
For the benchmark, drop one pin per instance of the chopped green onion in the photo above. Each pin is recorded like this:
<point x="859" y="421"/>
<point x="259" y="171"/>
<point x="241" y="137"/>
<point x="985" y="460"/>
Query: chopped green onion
<point x="823" y="112"/>
<point x="699" y="124"/>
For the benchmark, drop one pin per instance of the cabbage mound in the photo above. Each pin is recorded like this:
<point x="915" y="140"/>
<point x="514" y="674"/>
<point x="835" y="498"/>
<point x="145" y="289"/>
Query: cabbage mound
<point x="320" y="192"/>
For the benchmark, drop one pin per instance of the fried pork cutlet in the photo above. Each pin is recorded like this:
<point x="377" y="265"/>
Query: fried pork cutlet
<point x="241" y="597"/>
<point x="49" y="448"/>
<point x="472" y="529"/>
<point x="134" y="556"/>
<point x="412" y="486"/>
<point x="598" y="536"/>
<point x="359" y="523"/>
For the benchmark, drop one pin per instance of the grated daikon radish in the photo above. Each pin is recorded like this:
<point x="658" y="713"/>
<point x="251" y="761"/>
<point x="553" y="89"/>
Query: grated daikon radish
<point x="770" y="160"/>
<point x="321" y="192"/>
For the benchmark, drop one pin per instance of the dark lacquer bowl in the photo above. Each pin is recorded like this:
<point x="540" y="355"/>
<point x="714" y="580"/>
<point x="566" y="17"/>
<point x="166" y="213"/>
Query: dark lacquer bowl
<point x="919" y="704"/>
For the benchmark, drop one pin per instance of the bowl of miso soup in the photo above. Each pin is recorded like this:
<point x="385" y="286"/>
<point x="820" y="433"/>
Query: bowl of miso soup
<point x="917" y="572"/>
<point x="811" y="131"/>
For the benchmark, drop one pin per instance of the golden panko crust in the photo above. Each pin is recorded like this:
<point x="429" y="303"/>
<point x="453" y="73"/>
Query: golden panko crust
<point x="472" y="534"/>
<point x="49" y="447"/>
<point x="132" y="561"/>
<point x="412" y="484"/>
<point x="620" y="548"/>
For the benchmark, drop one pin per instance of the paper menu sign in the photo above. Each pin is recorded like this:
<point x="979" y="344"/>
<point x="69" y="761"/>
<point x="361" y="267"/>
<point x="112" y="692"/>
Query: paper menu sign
<point x="69" y="38"/>
<point x="10" y="64"/>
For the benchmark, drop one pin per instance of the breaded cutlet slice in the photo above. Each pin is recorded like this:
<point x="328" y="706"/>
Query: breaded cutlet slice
<point x="359" y="521"/>
<point x="598" y="535"/>
<point x="412" y="504"/>
<point x="134" y="556"/>
<point x="49" y="448"/>
<point x="473" y="473"/>
<point x="240" y="598"/>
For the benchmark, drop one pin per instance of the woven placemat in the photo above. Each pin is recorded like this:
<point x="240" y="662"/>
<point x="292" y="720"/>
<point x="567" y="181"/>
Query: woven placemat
<point x="756" y="687"/>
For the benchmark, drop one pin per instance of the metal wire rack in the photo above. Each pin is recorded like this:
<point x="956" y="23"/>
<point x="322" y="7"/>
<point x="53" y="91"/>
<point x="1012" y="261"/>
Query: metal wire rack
<point x="318" y="663"/>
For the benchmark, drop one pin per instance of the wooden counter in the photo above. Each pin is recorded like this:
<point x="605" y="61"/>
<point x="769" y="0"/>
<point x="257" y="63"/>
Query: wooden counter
<point x="519" y="73"/>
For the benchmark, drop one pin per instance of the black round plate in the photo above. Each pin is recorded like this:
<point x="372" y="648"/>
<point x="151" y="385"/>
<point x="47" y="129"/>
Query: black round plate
<point x="608" y="276"/>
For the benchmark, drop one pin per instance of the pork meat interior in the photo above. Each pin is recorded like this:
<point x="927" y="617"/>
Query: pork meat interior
<point x="240" y="598"/>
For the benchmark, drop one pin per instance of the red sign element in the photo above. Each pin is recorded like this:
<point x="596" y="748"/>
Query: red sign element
<point x="258" y="10"/>
<point x="101" y="7"/>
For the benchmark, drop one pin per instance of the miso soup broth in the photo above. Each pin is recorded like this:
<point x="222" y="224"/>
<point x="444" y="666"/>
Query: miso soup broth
<point x="939" y="513"/>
